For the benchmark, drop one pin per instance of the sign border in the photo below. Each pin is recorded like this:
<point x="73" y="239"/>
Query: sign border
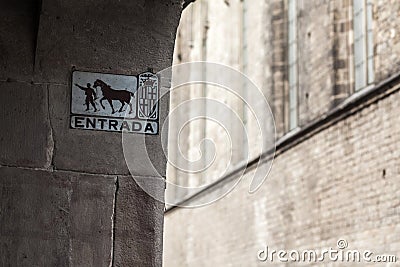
<point x="71" y="114"/>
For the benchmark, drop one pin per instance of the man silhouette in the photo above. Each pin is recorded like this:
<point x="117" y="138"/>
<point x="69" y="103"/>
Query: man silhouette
<point x="90" y="95"/>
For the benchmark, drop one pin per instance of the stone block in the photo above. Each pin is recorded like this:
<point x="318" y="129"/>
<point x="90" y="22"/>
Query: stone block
<point x="138" y="230"/>
<point x="25" y="135"/>
<point x="126" y="37"/>
<point x="55" y="218"/>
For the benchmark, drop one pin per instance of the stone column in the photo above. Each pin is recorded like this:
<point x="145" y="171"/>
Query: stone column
<point x="66" y="195"/>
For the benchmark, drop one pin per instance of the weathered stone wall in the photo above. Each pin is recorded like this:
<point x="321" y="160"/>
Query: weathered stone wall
<point x="315" y="66"/>
<point x="228" y="33"/>
<point x="323" y="51"/>
<point x="198" y="33"/>
<point x="339" y="181"/>
<point x="386" y="38"/>
<point x="278" y="65"/>
<point x="342" y="182"/>
<point x="66" y="195"/>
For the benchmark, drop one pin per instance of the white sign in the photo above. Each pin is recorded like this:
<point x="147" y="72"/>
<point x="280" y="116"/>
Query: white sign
<point x="108" y="102"/>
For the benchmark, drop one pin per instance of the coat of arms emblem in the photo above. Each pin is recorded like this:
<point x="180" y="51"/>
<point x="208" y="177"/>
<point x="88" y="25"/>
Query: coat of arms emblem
<point x="147" y="96"/>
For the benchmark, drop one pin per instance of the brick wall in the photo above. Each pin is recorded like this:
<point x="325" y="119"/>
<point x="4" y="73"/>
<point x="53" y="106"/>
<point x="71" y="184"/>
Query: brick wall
<point x="339" y="182"/>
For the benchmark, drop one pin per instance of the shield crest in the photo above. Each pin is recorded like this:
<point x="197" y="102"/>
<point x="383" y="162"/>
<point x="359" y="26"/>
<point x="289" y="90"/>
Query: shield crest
<point x="147" y="96"/>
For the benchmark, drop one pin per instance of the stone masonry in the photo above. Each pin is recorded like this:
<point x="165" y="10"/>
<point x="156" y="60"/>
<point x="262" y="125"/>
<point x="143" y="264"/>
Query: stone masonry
<point x="66" y="196"/>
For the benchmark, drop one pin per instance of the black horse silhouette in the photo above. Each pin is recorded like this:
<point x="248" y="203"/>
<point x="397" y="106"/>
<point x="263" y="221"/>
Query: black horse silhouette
<point x="110" y="94"/>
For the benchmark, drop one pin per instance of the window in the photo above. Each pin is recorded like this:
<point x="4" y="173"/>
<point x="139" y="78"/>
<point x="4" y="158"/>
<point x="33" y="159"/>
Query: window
<point x="363" y="44"/>
<point x="292" y="62"/>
